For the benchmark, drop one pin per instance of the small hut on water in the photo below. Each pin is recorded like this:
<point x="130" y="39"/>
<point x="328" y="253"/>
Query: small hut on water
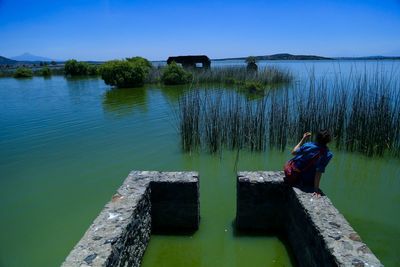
<point x="200" y="61"/>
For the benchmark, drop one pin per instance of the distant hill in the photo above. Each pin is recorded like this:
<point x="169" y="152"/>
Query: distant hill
<point x="370" y="58"/>
<point x="286" y="56"/>
<point x="283" y="56"/>
<point x="291" y="57"/>
<point x="5" y="61"/>
<point x="30" y="57"/>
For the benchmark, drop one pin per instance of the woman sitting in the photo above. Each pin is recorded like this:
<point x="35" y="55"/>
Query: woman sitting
<point x="310" y="161"/>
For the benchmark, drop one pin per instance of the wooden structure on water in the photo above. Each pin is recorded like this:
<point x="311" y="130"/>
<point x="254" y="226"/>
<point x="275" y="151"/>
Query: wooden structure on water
<point x="191" y="61"/>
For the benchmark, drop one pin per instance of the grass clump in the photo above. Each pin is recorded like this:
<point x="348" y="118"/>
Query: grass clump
<point x="23" y="72"/>
<point x="173" y="74"/>
<point x="253" y="86"/>
<point x="237" y="76"/>
<point x="240" y="75"/>
<point x="124" y="73"/>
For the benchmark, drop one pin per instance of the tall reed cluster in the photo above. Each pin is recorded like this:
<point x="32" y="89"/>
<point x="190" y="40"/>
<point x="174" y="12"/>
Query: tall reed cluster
<point x="240" y="74"/>
<point x="362" y="111"/>
<point x="231" y="75"/>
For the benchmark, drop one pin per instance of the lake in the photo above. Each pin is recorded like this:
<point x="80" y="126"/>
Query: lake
<point x="67" y="144"/>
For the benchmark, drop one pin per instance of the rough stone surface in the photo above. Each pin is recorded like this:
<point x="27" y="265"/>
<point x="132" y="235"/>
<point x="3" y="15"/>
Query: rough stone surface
<point x="120" y="234"/>
<point x="317" y="233"/>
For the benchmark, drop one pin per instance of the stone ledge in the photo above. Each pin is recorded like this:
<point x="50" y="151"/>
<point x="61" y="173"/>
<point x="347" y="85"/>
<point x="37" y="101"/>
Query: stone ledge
<point x="318" y="234"/>
<point x="121" y="232"/>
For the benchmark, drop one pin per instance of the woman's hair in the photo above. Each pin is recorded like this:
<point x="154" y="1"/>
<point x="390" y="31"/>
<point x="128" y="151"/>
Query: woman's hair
<point x="323" y="137"/>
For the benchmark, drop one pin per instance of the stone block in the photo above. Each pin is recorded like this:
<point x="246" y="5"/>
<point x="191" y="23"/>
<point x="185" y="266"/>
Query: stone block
<point x="120" y="234"/>
<point x="316" y="232"/>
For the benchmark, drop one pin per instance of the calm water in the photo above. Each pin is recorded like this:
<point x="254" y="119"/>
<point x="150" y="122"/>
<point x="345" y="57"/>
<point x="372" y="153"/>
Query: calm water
<point x="67" y="144"/>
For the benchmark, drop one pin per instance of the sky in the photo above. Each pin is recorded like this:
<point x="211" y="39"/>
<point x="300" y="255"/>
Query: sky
<point x="113" y="29"/>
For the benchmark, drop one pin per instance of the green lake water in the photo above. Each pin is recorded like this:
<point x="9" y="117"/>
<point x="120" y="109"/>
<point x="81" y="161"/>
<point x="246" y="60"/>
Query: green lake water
<point x="66" y="145"/>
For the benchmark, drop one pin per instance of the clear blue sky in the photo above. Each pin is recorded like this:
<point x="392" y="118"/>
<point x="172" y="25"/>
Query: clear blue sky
<point x="108" y="29"/>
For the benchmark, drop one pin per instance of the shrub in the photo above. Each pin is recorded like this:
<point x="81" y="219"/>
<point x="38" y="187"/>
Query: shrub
<point x="93" y="70"/>
<point x="251" y="64"/>
<point x="123" y="73"/>
<point x="141" y="61"/>
<point x="251" y="59"/>
<point x="23" y="72"/>
<point x="45" y="71"/>
<point x="174" y="74"/>
<point x="75" y="68"/>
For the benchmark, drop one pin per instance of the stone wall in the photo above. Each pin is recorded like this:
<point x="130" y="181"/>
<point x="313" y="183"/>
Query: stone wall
<point x="317" y="233"/>
<point x="147" y="201"/>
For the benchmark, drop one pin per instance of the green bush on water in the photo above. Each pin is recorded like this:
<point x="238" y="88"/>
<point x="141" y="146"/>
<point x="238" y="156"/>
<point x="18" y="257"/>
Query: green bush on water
<point x="131" y="72"/>
<point x="144" y="63"/>
<point x="173" y="74"/>
<point x="45" y="71"/>
<point x="23" y="72"/>
<point x="93" y="70"/>
<point x="73" y="67"/>
<point x="76" y="68"/>
<point x="251" y="64"/>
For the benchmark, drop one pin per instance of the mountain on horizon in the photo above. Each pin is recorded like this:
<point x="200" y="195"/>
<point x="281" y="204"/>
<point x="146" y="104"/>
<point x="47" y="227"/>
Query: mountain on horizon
<point x="286" y="56"/>
<point x="29" y="57"/>
<point x="5" y="61"/>
<point x="283" y="56"/>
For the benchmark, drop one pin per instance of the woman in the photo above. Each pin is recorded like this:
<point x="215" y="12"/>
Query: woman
<point x="310" y="161"/>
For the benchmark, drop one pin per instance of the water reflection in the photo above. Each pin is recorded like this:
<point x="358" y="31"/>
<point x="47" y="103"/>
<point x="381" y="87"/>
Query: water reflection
<point x="122" y="102"/>
<point x="173" y="93"/>
<point x="81" y="89"/>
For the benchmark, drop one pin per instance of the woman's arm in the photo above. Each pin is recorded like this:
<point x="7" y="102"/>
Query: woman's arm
<point x="305" y="136"/>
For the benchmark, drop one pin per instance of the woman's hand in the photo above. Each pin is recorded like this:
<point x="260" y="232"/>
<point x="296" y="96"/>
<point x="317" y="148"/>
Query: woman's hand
<point x="306" y="135"/>
<point x="316" y="194"/>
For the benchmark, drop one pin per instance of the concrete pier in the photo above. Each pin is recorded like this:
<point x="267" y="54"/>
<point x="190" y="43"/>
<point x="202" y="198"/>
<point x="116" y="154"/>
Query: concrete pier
<point x="151" y="201"/>
<point x="147" y="201"/>
<point x="317" y="233"/>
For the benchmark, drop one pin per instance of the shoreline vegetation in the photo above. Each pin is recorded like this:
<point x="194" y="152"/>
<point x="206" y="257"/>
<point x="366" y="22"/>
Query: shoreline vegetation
<point x="361" y="110"/>
<point x="137" y="71"/>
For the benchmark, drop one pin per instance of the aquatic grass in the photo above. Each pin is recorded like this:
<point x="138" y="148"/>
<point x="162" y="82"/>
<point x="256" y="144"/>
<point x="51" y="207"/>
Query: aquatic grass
<point x="361" y="110"/>
<point x="231" y="75"/>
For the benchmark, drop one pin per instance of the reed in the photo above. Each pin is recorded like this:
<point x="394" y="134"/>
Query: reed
<point x="361" y="110"/>
<point x="232" y="75"/>
<point x="240" y="75"/>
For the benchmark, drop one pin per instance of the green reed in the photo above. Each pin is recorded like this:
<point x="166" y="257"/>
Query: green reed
<point x="362" y="111"/>
<point x="232" y="75"/>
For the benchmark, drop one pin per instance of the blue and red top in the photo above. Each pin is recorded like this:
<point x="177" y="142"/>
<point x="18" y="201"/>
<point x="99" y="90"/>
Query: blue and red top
<point x="308" y="154"/>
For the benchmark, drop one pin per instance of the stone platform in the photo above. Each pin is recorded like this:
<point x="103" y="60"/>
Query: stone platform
<point x="317" y="233"/>
<point x="151" y="201"/>
<point x="147" y="201"/>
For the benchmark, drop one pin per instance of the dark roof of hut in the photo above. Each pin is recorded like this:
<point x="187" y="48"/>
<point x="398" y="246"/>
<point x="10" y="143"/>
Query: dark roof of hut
<point x="188" y="59"/>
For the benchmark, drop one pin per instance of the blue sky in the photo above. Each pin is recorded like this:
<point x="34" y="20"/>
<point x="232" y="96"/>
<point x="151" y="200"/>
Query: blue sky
<point x="107" y="29"/>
